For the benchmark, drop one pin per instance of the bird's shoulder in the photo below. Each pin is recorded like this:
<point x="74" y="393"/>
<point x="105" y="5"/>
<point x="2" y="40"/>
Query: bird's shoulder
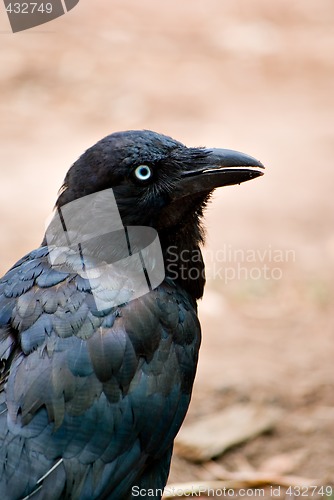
<point x="54" y="339"/>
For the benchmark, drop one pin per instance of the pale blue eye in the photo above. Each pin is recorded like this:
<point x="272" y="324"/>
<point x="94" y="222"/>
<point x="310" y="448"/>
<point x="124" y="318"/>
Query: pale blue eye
<point x="143" y="172"/>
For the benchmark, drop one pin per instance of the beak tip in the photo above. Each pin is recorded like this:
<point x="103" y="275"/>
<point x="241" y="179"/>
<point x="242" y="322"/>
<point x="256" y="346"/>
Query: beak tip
<point x="223" y="167"/>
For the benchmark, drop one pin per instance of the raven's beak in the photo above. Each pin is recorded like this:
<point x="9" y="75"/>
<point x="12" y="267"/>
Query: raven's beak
<point x="222" y="167"/>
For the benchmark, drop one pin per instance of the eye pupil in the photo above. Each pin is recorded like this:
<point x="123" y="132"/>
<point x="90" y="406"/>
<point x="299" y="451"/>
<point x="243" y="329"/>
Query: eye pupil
<point x="143" y="172"/>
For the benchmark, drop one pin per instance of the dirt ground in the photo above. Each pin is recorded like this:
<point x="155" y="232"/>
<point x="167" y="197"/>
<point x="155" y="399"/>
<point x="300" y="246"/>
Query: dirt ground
<point x="256" y="76"/>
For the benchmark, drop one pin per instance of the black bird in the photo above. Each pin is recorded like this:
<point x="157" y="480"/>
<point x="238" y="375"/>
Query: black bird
<point x="91" y="399"/>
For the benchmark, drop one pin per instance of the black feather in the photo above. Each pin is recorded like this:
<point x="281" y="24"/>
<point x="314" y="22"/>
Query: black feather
<point x="92" y="398"/>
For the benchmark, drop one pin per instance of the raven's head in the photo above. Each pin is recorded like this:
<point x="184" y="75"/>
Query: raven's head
<point x="158" y="182"/>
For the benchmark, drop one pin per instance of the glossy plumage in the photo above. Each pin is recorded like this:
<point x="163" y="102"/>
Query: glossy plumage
<point x="91" y="400"/>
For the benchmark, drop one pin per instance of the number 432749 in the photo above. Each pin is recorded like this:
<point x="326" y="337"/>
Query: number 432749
<point x="29" y="8"/>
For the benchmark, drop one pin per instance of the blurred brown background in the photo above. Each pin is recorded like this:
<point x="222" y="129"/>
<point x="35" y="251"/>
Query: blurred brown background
<point x="253" y="76"/>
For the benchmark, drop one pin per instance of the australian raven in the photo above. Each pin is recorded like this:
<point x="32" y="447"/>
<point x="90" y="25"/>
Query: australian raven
<point x="98" y="357"/>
